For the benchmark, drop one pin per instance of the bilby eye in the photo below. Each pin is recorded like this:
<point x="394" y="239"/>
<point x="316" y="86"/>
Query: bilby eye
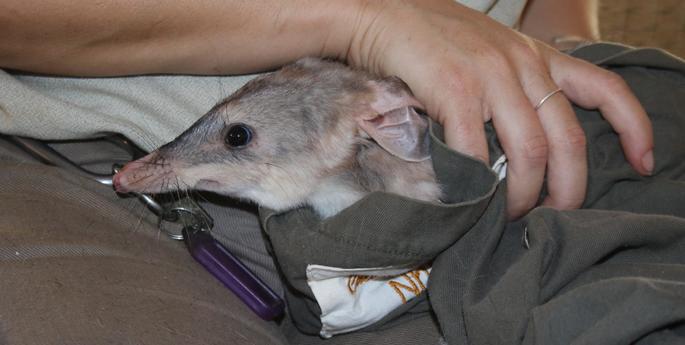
<point x="238" y="135"/>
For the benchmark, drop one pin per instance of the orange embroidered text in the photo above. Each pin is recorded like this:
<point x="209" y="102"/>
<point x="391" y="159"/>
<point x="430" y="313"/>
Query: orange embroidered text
<point x="353" y="282"/>
<point x="415" y="286"/>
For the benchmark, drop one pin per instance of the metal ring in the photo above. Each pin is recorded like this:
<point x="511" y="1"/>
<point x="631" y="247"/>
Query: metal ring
<point x="544" y="99"/>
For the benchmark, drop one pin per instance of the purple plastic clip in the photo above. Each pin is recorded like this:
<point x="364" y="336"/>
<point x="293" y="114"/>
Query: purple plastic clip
<point x="233" y="274"/>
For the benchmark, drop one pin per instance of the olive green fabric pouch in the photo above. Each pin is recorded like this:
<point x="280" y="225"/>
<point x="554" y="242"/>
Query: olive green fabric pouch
<point x="612" y="273"/>
<point x="380" y="231"/>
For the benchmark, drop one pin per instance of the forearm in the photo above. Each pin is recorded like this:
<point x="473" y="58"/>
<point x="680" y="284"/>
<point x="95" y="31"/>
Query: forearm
<point x="547" y="19"/>
<point x="141" y="37"/>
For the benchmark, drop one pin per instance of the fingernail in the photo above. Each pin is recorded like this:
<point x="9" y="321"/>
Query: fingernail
<point x="648" y="161"/>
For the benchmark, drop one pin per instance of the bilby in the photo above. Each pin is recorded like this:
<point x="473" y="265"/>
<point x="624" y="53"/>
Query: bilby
<point x="314" y="133"/>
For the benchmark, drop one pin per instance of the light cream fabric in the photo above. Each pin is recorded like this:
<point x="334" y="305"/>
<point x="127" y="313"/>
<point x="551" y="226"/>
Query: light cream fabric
<point x="150" y="110"/>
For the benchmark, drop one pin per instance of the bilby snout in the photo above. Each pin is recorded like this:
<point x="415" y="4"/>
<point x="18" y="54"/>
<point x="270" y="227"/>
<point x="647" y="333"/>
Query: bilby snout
<point x="142" y="175"/>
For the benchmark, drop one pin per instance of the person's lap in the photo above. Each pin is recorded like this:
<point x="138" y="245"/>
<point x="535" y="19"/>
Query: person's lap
<point x="80" y="265"/>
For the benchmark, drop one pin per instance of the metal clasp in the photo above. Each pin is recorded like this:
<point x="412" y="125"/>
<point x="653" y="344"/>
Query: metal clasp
<point x="186" y="212"/>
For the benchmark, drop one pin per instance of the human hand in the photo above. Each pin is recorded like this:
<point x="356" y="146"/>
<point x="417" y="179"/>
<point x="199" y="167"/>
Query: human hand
<point x="468" y="69"/>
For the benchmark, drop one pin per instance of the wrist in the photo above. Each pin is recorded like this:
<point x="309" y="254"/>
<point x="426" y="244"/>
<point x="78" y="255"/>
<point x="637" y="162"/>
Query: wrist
<point x="275" y="33"/>
<point x="350" y="36"/>
<point x="295" y="29"/>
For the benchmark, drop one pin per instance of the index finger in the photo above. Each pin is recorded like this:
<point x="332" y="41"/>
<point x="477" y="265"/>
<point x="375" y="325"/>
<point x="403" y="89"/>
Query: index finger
<point x="592" y="87"/>
<point x="465" y="133"/>
<point x="458" y="108"/>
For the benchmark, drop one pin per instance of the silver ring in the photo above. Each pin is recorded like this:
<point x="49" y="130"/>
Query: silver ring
<point x="544" y="99"/>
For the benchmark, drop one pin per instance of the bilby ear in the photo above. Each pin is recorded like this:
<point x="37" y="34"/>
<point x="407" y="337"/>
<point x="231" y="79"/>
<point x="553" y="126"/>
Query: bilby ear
<point x="402" y="132"/>
<point x="390" y="94"/>
<point x="393" y="122"/>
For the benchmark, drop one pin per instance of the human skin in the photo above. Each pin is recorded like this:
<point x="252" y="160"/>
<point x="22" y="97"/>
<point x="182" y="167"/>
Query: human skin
<point x="465" y="68"/>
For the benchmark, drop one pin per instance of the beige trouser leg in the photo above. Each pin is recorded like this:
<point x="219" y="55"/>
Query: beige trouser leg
<point x="78" y="267"/>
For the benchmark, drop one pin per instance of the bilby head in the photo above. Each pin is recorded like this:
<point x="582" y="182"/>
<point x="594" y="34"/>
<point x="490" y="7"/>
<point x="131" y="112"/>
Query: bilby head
<point x="285" y="137"/>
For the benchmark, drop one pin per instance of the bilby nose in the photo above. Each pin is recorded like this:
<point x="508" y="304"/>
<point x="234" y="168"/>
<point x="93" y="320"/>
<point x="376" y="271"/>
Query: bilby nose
<point x="116" y="183"/>
<point x="129" y="174"/>
<point x="120" y="180"/>
<point x="145" y="175"/>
